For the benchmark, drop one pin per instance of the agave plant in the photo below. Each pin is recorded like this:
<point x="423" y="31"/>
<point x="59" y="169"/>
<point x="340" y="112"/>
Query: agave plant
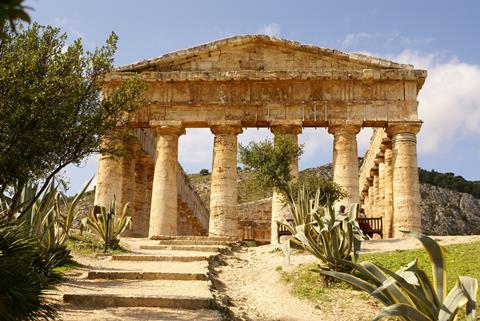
<point x="26" y="277"/>
<point x="49" y="219"/>
<point x="107" y="224"/>
<point x="332" y="238"/>
<point x="409" y="293"/>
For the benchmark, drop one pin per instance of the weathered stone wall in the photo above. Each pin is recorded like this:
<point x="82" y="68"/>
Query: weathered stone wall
<point x="254" y="220"/>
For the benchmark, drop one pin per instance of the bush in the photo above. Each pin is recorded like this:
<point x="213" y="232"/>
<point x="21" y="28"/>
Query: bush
<point x="332" y="238"/>
<point x="26" y="277"/>
<point x="107" y="224"/>
<point x="49" y="220"/>
<point x="204" y="172"/>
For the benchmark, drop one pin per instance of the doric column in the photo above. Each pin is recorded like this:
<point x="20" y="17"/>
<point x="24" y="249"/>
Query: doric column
<point x="345" y="161"/>
<point x="381" y="192"/>
<point x="163" y="211"/>
<point x="375" y="190"/>
<point x="290" y="130"/>
<point x="406" y="193"/>
<point x="371" y="199"/>
<point x="223" y="193"/>
<point x="140" y="209"/>
<point x="388" y="222"/>
<point x="115" y="177"/>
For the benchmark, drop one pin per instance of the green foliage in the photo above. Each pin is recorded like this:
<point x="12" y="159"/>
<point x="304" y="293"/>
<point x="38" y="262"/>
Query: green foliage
<point x="332" y="238"/>
<point x="408" y="293"/>
<point x="26" y="277"/>
<point x="204" y="172"/>
<point x="329" y="192"/>
<point x="271" y="161"/>
<point x="10" y="12"/>
<point x="51" y="111"/>
<point x="461" y="259"/>
<point x="50" y="220"/>
<point x="449" y="181"/>
<point x="108" y="224"/>
<point x="88" y="243"/>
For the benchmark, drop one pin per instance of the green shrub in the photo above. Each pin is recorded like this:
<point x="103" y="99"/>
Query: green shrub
<point x="26" y="276"/>
<point x="332" y="238"/>
<point x="107" y="224"/>
<point x="50" y="220"/>
<point x="204" y="172"/>
<point x="409" y="293"/>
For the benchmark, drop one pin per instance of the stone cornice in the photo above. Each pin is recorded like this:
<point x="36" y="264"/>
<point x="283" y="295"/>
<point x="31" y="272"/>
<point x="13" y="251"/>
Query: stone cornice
<point x="367" y="75"/>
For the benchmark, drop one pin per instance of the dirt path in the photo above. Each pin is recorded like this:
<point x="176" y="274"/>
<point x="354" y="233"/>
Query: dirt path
<point x="252" y="281"/>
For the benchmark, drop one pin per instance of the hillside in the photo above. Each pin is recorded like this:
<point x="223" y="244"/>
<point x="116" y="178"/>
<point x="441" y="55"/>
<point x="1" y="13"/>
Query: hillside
<point x="445" y="211"/>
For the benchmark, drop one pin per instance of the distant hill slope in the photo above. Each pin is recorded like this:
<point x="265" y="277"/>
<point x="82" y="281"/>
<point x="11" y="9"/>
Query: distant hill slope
<point x="450" y="204"/>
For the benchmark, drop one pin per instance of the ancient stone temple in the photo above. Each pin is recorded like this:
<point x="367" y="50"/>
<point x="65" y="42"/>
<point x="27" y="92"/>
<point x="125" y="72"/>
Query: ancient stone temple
<point x="260" y="81"/>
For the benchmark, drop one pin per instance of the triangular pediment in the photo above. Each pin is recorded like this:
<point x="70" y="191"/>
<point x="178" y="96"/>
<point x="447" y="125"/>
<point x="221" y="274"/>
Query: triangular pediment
<point x="259" y="53"/>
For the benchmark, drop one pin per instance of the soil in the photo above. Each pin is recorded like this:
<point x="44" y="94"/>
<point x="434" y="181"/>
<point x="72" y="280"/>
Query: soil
<point x="251" y="280"/>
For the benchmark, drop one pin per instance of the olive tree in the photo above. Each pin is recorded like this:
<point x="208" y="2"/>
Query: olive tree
<point x="51" y="110"/>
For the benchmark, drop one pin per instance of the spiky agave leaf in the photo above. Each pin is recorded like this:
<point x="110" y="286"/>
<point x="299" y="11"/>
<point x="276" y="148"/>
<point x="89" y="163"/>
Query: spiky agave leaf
<point x="26" y="277"/>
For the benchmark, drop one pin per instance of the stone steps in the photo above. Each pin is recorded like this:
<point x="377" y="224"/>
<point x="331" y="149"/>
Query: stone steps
<point x="143" y="284"/>
<point x="193" y="242"/>
<point x="117" y="300"/>
<point x="196" y="248"/>
<point x="136" y="275"/>
<point x="190" y="237"/>
<point x="73" y="313"/>
<point x="139" y="293"/>
<point x="160" y="258"/>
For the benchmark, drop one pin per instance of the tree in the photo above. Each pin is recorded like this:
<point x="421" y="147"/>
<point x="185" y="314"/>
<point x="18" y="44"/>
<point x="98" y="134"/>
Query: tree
<point x="271" y="163"/>
<point x="51" y="111"/>
<point x="10" y="12"/>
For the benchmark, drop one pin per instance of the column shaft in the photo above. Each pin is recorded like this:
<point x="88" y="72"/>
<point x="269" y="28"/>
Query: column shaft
<point x="345" y="162"/>
<point x="115" y="178"/>
<point x="406" y="193"/>
<point x="223" y="193"/>
<point x="163" y="212"/>
<point x="371" y="199"/>
<point x="388" y="222"/>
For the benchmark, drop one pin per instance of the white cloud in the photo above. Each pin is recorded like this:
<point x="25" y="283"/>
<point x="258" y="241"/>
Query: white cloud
<point x="392" y="38"/>
<point x="272" y="29"/>
<point x="353" y="38"/>
<point x="449" y="100"/>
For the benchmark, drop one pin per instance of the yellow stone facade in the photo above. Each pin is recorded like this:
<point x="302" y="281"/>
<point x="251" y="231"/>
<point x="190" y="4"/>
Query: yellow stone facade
<point x="261" y="81"/>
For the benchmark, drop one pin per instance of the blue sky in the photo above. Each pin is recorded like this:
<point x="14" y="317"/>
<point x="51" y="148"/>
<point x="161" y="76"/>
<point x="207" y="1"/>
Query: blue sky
<point x="440" y="36"/>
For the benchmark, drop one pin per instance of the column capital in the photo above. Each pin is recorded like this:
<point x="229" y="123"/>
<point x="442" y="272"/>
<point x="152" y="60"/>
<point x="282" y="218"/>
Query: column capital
<point x="395" y="128"/>
<point x="386" y="144"/>
<point x="286" y="126"/>
<point x="162" y="127"/>
<point x="344" y="128"/>
<point x="233" y="127"/>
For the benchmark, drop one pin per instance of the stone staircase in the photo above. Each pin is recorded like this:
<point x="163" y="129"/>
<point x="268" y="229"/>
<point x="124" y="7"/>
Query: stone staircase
<point x="159" y="280"/>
